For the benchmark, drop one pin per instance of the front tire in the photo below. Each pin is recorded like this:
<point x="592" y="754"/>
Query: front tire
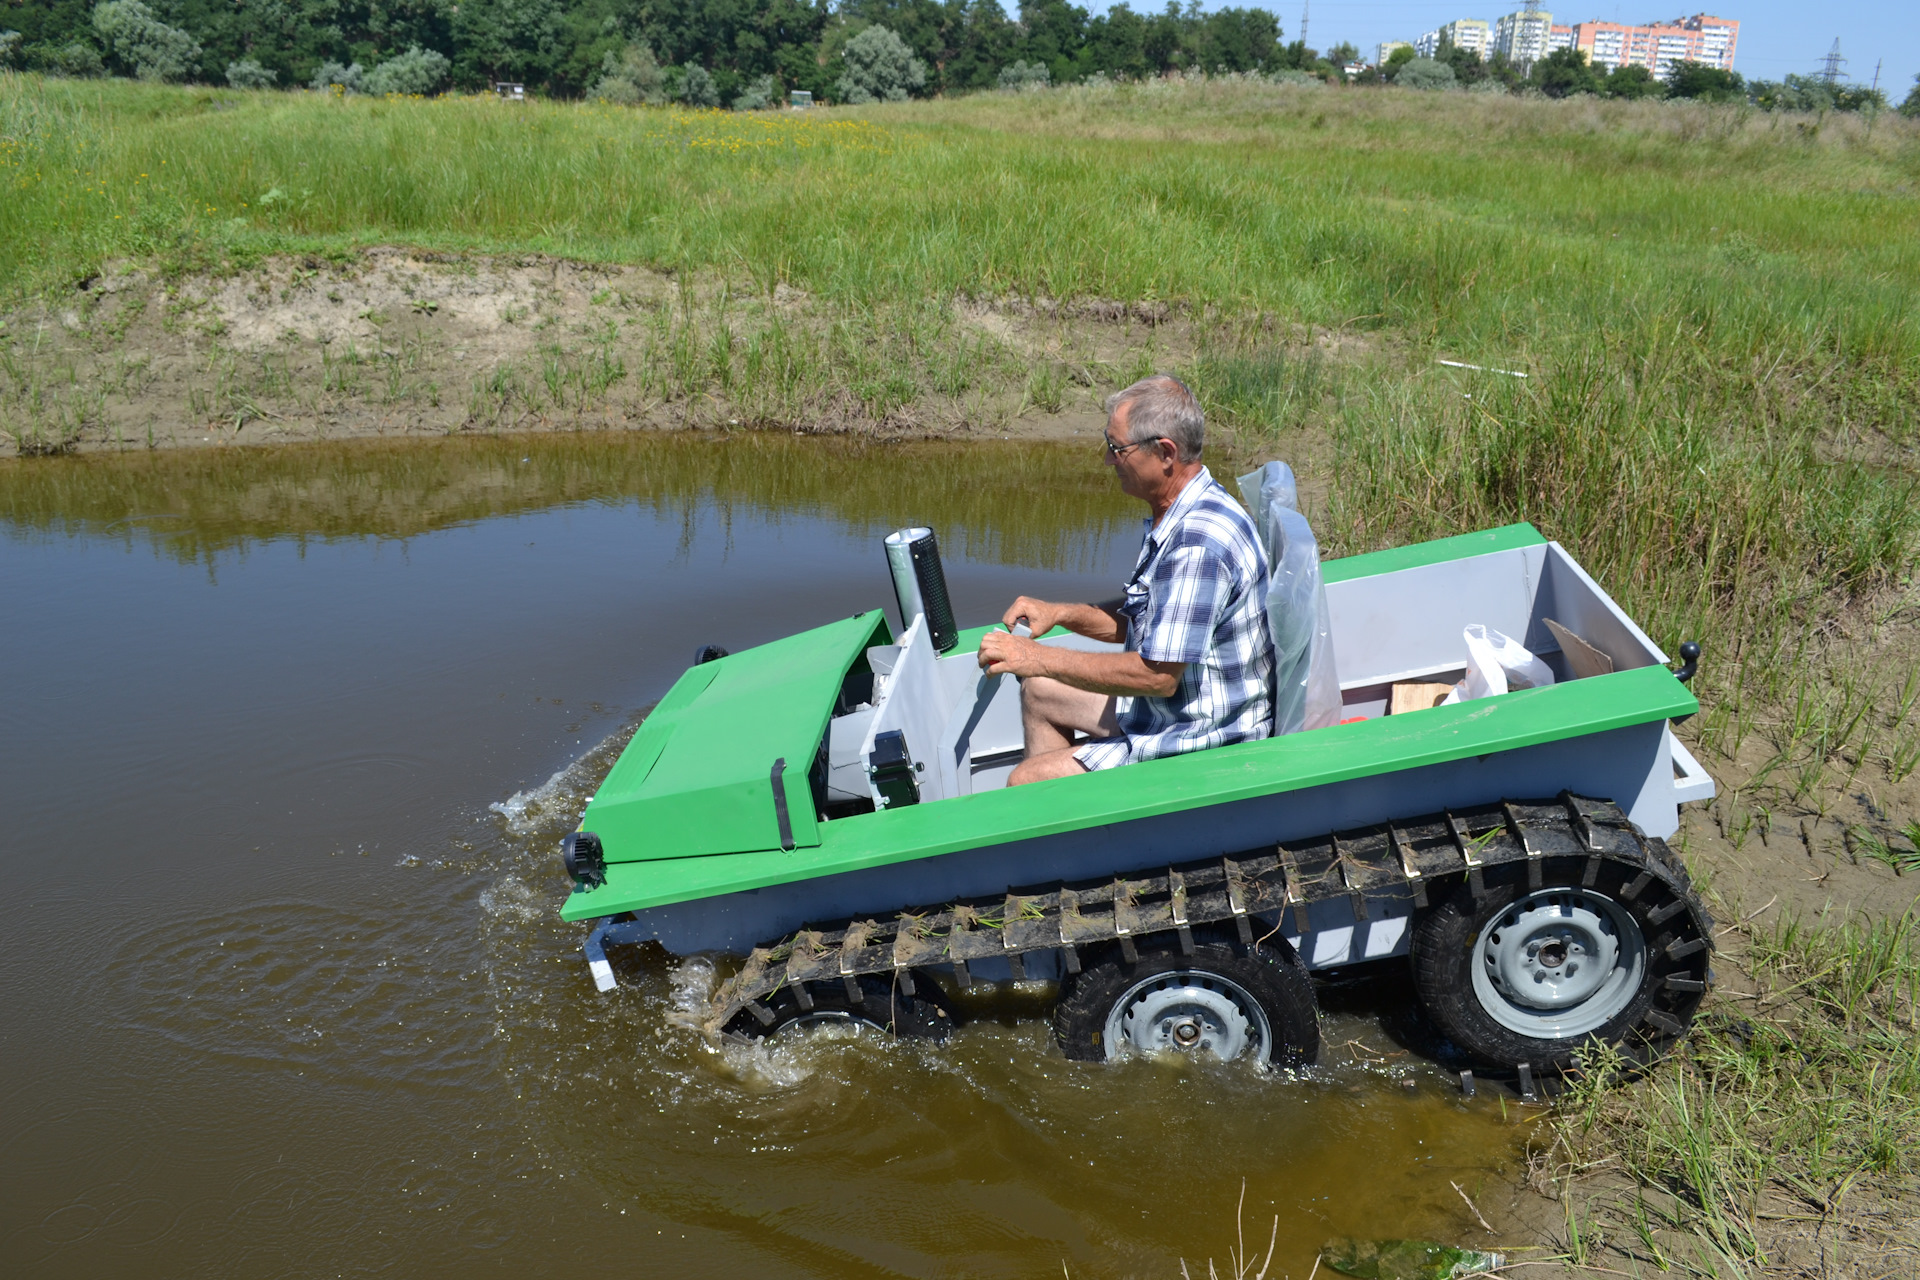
<point x="1537" y="975"/>
<point x="884" y="1005"/>
<point x="1225" y="1001"/>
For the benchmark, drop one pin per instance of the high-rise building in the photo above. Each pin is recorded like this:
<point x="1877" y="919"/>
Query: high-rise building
<point x="1386" y="49"/>
<point x="1522" y="36"/>
<point x="1462" y="33"/>
<point x="1658" y="45"/>
<point x="1558" y="37"/>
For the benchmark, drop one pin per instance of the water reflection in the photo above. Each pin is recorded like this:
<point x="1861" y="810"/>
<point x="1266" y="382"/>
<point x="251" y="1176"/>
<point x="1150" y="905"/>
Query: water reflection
<point x="283" y="983"/>
<point x="1049" y="506"/>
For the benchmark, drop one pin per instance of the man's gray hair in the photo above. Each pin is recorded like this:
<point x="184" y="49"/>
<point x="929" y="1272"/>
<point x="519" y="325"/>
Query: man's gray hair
<point x="1162" y="407"/>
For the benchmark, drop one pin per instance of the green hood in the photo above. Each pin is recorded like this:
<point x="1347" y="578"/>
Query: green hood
<point x="698" y="776"/>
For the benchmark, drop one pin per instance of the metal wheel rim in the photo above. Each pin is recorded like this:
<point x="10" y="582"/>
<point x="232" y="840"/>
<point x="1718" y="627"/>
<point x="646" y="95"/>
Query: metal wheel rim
<point x="1188" y="1011"/>
<point x="1558" y="963"/>
<point x="808" y="1022"/>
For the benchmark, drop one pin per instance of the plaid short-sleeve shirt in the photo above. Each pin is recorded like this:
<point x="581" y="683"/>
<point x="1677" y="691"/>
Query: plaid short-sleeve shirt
<point x="1198" y="595"/>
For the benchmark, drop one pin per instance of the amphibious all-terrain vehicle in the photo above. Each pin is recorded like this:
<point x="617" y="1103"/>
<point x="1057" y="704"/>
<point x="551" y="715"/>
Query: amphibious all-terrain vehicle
<point x="833" y="808"/>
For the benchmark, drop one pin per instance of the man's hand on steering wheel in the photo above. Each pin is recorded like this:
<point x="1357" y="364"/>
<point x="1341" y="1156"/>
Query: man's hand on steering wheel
<point x="1003" y="653"/>
<point x="1039" y="615"/>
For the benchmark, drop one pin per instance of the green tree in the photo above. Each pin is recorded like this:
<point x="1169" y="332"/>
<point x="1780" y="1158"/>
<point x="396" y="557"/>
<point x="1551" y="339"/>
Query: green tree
<point x="1631" y="81"/>
<point x="329" y="74"/>
<point x="1564" y="72"/>
<point x="1911" y="107"/>
<point x="879" y="68"/>
<point x="1500" y="69"/>
<point x="758" y="95"/>
<point x="1425" y="73"/>
<point x="151" y="48"/>
<point x="518" y="40"/>
<point x="1397" y="59"/>
<point x="1018" y="75"/>
<point x="697" y="87"/>
<point x="415" y="71"/>
<point x="1466" y="63"/>
<point x="631" y="77"/>
<point x="249" y="74"/>
<point x="1709" y="84"/>
<point x="1343" y="53"/>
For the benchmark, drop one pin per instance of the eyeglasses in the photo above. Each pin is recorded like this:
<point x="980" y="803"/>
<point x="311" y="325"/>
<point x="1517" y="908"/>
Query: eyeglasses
<point x="1115" y="450"/>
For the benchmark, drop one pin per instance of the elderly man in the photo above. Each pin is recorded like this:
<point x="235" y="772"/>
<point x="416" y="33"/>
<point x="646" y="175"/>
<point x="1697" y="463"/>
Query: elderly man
<point x="1197" y="670"/>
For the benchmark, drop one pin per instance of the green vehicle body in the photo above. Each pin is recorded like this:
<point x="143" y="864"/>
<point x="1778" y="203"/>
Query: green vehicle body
<point x="688" y="812"/>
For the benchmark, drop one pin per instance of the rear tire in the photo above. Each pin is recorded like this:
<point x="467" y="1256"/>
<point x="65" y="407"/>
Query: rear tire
<point x="884" y="1006"/>
<point x="1225" y="1000"/>
<point x="1537" y="975"/>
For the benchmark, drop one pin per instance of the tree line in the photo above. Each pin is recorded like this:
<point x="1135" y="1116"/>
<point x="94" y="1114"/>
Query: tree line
<point x="563" y="48"/>
<point x="750" y="53"/>
<point x="1565" y="73"/>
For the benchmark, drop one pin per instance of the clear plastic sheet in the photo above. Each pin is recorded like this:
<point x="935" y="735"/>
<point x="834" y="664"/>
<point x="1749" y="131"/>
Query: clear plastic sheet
<point x="1306" y="685"/>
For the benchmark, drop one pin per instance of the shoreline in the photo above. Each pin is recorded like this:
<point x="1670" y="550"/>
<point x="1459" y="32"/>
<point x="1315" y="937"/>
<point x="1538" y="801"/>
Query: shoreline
<point x="401" y="343"/>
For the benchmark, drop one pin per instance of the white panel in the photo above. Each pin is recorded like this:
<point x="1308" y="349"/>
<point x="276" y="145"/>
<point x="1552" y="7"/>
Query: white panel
<point x="1410" y="620"/>
<point x="1691" y="781"/>
<point x="983" y="717"/>
<point x="964" y="736"/>
<point x="913" y="705"/>
<point x="1332" y="946"/>
<point x="1383" y="936"/>
<point x="1574" y="600"/>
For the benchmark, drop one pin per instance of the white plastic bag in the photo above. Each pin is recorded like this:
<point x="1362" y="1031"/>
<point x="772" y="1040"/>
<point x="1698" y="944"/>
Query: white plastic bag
<point x="1306" y="685"/>
<point x="1495" y="664"/>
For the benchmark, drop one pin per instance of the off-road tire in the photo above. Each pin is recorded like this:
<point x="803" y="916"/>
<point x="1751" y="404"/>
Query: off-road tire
<point x="1649" y="1021"/>
<point x="1271" y="973"/>
<point x="884" y="1005"/>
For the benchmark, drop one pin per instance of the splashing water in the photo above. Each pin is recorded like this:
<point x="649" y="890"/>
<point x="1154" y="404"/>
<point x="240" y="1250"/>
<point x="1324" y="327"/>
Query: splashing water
<point x="553" y="807"/>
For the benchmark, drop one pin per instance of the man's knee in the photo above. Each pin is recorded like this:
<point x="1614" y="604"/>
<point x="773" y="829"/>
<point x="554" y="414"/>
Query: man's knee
<point x="1051" y="764"/>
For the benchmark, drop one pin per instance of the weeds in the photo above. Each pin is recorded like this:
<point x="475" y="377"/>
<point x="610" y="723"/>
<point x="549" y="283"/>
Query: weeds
<point x="1789" y="1110"/>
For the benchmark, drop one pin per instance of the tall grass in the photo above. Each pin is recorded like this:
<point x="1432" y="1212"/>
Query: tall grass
<point x="1484" y="226"/>
<point x="1779" y="1117"/>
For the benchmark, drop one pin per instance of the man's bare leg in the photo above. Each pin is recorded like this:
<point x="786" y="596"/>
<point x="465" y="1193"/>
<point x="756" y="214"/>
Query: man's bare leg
<point x="1051" y="712"/>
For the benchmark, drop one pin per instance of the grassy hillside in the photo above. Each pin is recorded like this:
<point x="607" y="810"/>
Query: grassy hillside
<point x="1484" y="222"/>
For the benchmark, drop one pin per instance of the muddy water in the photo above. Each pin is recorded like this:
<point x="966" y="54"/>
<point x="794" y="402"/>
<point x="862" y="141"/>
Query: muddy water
<point x="286" y="741"/>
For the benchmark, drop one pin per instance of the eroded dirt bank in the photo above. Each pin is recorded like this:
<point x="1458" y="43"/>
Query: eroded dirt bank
<point x="394" y="342"/>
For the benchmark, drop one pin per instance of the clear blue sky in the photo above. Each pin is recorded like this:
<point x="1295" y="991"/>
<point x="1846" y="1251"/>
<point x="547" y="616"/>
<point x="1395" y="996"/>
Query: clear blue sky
<point x="1776" y="36"/>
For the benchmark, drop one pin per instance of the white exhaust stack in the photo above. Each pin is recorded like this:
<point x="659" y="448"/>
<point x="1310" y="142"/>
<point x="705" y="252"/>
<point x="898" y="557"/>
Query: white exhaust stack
<point x="920" y="584"/>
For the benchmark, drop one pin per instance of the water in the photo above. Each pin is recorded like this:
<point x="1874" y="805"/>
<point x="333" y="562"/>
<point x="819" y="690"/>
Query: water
<point x="287" y="739"/>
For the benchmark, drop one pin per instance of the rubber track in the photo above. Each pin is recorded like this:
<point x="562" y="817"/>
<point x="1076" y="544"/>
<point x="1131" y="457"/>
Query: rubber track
<point x="1392" y="861"/>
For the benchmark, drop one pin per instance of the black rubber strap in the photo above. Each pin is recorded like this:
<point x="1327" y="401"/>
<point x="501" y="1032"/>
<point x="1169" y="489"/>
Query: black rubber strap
<point x="780" y="806"/>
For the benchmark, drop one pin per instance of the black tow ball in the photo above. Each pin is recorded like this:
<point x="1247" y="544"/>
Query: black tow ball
<point x="1689" y="661"/>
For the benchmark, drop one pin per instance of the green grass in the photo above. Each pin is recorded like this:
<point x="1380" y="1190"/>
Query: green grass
<point x="1792" y="1107"/>
<point x="1488" y="225"/>
<point x="1716" y="308"/>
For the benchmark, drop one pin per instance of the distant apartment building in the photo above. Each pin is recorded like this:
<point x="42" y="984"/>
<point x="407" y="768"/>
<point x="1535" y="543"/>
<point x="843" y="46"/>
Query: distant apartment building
<point x="1386" y="49"/>
<point x="1523" y="36"/>
<point x="1658" y="45"/>
<point x="1463" y="33"/>
<point x="1558" y="37"/>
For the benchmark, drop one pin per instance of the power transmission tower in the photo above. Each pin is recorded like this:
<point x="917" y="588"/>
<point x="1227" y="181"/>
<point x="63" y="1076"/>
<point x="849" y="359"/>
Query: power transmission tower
<point x="1303" y="22"/>
<point x="1833" y="62"/>
<point x="1876" y="75"/>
